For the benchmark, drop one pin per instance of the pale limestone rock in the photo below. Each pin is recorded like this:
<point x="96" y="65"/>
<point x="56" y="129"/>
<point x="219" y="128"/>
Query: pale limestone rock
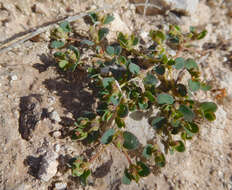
<point x="48" y="166"/>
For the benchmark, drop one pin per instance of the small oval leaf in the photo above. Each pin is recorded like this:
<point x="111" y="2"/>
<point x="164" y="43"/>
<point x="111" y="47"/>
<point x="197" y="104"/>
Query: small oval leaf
<point x="160" y="159"/>
<point x="164" y="98"/>
<point x="187" y="112"/>
<point x="160" y="69"/>
<point x="57" y="44"/>
<point x="133" y="68"/>
<point x="110" y="50"/>
<point x="126" y="179"/>
<point x="107" y="136"/>
<point x="123" y="111"/>
<point x="191" y="64"/>
<point x="158" y="122"/>
<point x="210" y="116"/>
<point x="108" y="19"/>
<point x="179" y="63"/>
<point x="150" y="80"/>
<point x="102" y="33"/>
<point x="144" y="170"/>
<point x="208" y="107"/>
<point x="193" y="85"/>
<point x="181" y="89"/>
<point x="179" y="146"/>
<point x="147" y="151"/>
<point x="130" y="141"/>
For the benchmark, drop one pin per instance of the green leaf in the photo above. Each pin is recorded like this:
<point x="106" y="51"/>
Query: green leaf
<point x="134" y="40"/>
<point x="107" y="115"/>
<point x="186" y="135"/>
<point x="142" y="105"/>
<point x="79" y="134"/>
<point x="179" y="146"/>
<point x="120" y="122"/>
<point x="102" y="33"/>
<point x="59" y="55"/>
<point x="84" y="176"/>
<point x="164" y="98"/>
<point x="133" y="68"/>
<point x="187" y="112"/>
<point x="205" y="87"/>
<point x="208" y="107"/>
<point x="122" y="111"/>
<point x="94" y="17"/>
<point x="117" y="50"/>
<point x="75" y="50"/>
<point x="160" y="69"/>
<point x="192" y="29"/>
<point x="63" y="64"/>
<point x="191" y="64"/>
<point x="144" y="170"/>
<point x="126" y="179"/>
<point x="157" y="36"/>
<point x="107" y="136"/>
<point x="150" y="80"/>
<point x="202" y="34"/>
<point x="130" y="141"/>
<point x="57" y="44"/>
<point x="110" y="50"/>
<point x="160" y="159"/>
<point x="150" y="96"/>
<point x="108" y="19"/>
<point x="158" y="122"/>
<point x="87" y="42"/>
<point x="147" y="151"/>
<point x="181" y="89"/>
<point x="179" y="63"/>
<point x="122" y="39"/>
<point x="193" y="85"/>
<point x="65" y="26"/>
<point x="192" y="127"/>
<point x="210" y="116"/>
<point x="107" y="81"/>
<point x="114" y="98"/>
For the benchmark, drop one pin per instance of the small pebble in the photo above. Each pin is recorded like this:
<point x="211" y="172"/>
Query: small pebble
<point x="51" y="100"/>
<point x="14" y="77"/>
<point x="56" y="134"/>
<point x="55" y="116"/>
<point x="57" y="148"/>
<point x="60" y="186"/>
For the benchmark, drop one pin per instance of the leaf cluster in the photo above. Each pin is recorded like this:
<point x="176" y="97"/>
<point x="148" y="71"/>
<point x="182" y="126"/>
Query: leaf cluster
<point x="129" y="78"/>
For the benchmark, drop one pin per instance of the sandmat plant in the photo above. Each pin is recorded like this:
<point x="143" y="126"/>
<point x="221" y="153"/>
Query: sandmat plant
<point x="132" y="77"/>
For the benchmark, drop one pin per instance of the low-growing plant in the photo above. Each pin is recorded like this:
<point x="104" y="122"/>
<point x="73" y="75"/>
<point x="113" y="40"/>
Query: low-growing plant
<point x="129" y="77"/>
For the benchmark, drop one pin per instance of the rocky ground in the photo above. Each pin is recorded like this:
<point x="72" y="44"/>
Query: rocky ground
<point x="38" y="103"/>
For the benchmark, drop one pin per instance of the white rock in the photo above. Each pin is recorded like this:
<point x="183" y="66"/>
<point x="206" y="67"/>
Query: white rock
<point x="48" y="166"/>
<point x="185" y="6"/>
<point x="60" y="186"/>
<point x="56" y="134"/>
<point x="51" y="100"/>
<point x="57" y="148"/>
<point x="14" y="77"/>
<point x="139" y="126"/>
<point x="55" y="116"/>
<point x="117" y="25"/>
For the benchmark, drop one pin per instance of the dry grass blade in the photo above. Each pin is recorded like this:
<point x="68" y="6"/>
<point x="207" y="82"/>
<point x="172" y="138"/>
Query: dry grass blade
<point x="8" y="45"/>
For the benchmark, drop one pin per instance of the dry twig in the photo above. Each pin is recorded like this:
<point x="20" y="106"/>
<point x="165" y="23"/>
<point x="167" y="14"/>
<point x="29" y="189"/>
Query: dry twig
<point x="8" y="45"/>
